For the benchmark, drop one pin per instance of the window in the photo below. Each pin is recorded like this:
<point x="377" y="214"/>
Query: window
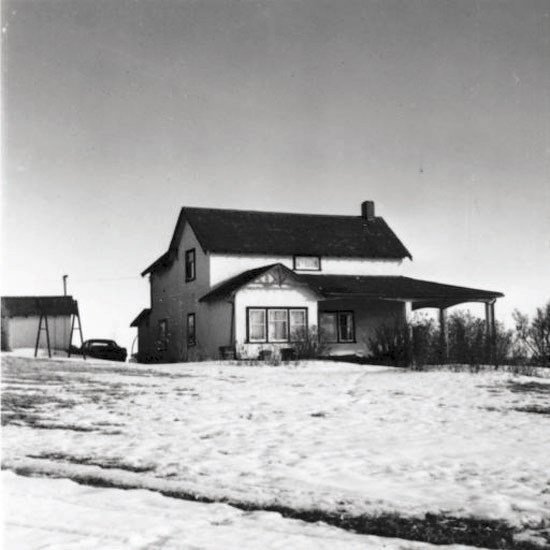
<point x="277" y="324"/>
<point x="190" y="270"/>
<point x="337" y="326"/>
<point x="328" y="327"/>
<point x="163" y="335"/>
<point x="256" y="325"/>
<point x="345" y="326"/>
<point x="298" y="324"/>
<point x="307" y="263"/>
<point x="191" y="333"/>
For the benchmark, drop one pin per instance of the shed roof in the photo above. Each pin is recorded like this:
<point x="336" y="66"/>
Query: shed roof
<point x="26" y="306"/>
<point x="281" y="233"/>
<point x="143" y="315"/>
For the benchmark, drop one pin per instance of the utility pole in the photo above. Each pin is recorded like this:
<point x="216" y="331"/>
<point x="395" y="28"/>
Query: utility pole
<point x="65" y="285"/>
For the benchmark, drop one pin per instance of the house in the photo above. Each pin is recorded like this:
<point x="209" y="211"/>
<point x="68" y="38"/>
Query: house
<point x="38" y="322"/>
<point x="248" y="281"/>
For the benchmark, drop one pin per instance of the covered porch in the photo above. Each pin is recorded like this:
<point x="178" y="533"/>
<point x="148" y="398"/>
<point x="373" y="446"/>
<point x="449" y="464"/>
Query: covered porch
<point x="354" y="306"/>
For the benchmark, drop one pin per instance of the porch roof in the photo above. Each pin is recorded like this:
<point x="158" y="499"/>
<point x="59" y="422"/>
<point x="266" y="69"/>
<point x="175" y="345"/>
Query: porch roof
<point x="420" y="293"/>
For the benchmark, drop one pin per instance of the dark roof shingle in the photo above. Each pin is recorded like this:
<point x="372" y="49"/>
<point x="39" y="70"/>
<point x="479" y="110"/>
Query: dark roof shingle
<point x="395" y="287"/>
<point x="24" y="306"/>
<point x="280" y="233"/>
<point x="250" y="232"/>
<point x="143" y="314"/>
<point x="384" y="287"/>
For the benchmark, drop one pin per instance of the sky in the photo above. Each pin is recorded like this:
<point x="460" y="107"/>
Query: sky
<point x="116" y="114"/>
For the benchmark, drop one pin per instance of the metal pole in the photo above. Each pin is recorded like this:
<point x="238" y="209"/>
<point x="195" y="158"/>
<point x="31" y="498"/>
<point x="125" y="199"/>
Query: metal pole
<point x="65" y="285"/>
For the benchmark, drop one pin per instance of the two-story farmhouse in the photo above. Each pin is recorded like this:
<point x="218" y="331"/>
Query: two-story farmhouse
<point x="250" y="281"/>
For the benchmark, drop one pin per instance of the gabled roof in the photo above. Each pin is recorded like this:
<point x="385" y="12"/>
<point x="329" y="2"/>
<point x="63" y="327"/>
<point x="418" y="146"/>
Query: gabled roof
<point x="24" y="306"/>
<point x="229" y="287"/>
<point x="143" y="315"/>
<point x="280" y="233"/>
<point x="421" y="293"/>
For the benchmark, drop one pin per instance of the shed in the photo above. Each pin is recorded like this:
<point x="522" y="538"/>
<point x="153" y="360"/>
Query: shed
<point x="38" y="322"/>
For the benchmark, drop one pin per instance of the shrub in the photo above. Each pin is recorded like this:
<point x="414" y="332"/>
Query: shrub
<point x="425" y="343"/>
<point x="390" y="344"/>
<point x="466" y="342"/>
<point x="534" y="335"/>
<point x="310" y="346"/>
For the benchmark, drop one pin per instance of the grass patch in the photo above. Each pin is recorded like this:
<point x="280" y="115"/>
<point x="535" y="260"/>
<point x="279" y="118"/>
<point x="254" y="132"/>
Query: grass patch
<point x="534" y="409"/>
<point x="104" y="463"/>
<point x="69" y="427"/>
<point x="431" y="528"/>
<point x="529" y="387"/>
<point x="25" y="408"/>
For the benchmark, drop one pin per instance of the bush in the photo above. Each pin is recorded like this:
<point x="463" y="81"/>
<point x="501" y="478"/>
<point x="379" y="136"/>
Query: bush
<point x="467" y="342"/>
<point x="466" y="339"/>
<point x="533" y="336"/>
<point x="390" y="344"/>
<point x="425" y="344"/>
<point x="310" y="346"/>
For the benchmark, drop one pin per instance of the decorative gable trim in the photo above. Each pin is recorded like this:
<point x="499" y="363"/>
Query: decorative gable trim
<point x="268" y="276"/>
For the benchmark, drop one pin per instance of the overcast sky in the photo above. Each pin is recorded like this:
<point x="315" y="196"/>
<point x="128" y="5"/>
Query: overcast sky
<point x="117" y="113"/>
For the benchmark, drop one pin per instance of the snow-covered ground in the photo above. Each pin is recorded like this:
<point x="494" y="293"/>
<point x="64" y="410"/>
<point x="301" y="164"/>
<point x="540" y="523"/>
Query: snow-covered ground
<point x="327" y="436"/>
<point x="61" y="515"/>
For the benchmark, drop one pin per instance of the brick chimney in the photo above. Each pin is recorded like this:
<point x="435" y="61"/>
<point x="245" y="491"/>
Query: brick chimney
<point x="367" y="210"/>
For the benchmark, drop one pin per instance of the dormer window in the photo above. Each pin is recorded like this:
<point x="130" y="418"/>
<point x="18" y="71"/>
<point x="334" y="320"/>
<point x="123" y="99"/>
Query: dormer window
<point x="190" y="265"/>
<point x="307" y="263"/>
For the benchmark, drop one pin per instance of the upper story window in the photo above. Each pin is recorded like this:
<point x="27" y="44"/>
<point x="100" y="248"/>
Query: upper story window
<point x="190" y="265"/>
<point x="307" y="263"/>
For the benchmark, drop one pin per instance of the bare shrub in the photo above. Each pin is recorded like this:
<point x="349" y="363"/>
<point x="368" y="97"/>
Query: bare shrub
<point x="309" y="345"/>
<point x="425" y="342"/>
<point x="418" y="343"/>
<point x="534" y="335"/>
<point x="390" y="344"/>
<point x="466" y="339"/>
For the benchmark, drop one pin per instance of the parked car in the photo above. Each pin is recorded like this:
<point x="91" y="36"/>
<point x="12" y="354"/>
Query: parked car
<point x="101" y="349"/>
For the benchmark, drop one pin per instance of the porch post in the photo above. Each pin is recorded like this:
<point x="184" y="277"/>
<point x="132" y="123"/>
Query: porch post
<point x="443" y="336"/>
<point x="490" y="333"/>
<point x="410" y="335"/>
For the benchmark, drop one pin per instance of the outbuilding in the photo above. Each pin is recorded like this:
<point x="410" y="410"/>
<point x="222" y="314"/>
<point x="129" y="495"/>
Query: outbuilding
<point x="36" y="322"/>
